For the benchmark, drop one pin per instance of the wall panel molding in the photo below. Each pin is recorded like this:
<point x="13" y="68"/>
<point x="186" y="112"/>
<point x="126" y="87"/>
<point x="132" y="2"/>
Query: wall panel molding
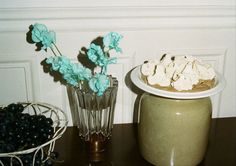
<point x="111" y="3"/>
<point x="19" y="74"/>
<point x="125" y="99"/>
<point x="119" y="18"/>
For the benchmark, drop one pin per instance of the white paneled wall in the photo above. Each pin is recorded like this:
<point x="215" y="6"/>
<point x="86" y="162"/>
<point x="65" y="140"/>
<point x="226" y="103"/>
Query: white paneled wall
<point x="150" y="28"/>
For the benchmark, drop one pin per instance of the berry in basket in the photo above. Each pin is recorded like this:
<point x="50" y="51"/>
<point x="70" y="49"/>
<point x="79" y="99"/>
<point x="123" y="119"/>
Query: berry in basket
<point x="28" y="131"/>
<point x="20" y="131"/>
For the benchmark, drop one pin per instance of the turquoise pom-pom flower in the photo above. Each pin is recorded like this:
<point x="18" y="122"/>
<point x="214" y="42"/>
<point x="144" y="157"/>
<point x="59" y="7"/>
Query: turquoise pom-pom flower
<point x="71" y="72"/>
<point x="111" y="41"/>
<point x="97" y="56"/>
<point x="40" y="33"/>
<point x="99" y="83"/>
<point x="58" y="62"/>
<point x="82" y="72"/>
<point x="48" y="39"/>
<point x="37" y="31"/>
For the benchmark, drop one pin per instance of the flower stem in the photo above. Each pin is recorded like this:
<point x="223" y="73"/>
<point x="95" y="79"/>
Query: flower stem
<point x="107" y="53"/>
<point x="53" y="51"/>
<point x="57" y="49"/>
<point x="104" y="69"/>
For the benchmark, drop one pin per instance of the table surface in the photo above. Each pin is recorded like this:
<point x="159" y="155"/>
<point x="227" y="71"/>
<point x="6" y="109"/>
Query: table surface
<point x="122" y="149"/>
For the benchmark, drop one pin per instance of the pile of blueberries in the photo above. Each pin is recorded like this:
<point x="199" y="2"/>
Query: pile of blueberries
<point x="20" y="131"/>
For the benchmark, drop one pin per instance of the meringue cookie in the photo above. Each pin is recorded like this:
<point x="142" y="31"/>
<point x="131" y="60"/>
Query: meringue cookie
<point x="205" y="72"/>
<point x="166" y="60"/>
<point x="170" y="70"/>
<point x="148" y="68"/>
<point x="192" y="74"/>
<point x="183" y="83"/>
<point x="159" y="77"/>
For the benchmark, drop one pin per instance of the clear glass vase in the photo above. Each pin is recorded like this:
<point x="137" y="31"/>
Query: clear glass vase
<point x="94" y="115"/>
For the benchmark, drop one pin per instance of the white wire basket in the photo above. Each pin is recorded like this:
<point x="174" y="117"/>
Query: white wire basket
<point x="44" y="150"/>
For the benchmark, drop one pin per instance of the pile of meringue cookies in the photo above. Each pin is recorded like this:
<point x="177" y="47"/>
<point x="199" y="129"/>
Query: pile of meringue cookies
<point x="181" y="73"/>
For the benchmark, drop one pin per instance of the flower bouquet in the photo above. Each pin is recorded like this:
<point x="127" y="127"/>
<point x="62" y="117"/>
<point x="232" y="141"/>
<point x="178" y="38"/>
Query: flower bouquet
<point x="92" y="92"/>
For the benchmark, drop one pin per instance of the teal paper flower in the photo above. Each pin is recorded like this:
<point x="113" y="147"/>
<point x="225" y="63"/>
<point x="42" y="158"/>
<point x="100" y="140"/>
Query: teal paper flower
<point x="40" y="33"/>
<point x="71" y="72"/>
<point x="99" y="83"/>
<point x="111" y="41"/>
<point x="71" y="79"/>
<point x="82" y="72"/>
<point x="58" y="62"/>
<point x="97" y="56"/>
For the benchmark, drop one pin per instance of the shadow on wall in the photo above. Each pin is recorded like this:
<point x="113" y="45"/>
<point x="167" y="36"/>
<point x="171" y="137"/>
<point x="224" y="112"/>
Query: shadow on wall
<point x="56" y="75"/>
<point x="138" y="92"/>
<point x="30" y="41"/>
<point x="82" y="56"/>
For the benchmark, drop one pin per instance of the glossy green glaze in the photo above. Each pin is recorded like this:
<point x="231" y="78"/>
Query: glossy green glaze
<point x="173" y="132"/>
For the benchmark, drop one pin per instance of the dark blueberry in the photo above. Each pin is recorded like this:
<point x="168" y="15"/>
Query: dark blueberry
<point x="48" y="163"/>
<point x="38" y="162"/>
<point x="49" y="130"/>
<point x="32" y="144"/>
<point x="42" y="130"/>
<point x="24" y="117"/>
<point x="54" y="155"/>
<point x="35" y="136"/>
<point x="9" y="117"/>
<point x="12" y="107"/>
<point x="3" y="135"/>
<point x="44" y="137"/>
<point x="20" y="108"/>
<point x="16" y="123"/>
<point x="21" y="142"/>
<point x="22" y="128"/>
<point x="28" y="139"/>
<point x="18" y="136"/>
<point x="26" y="126"/>
<point x="2" y="115"/>
<point x="15" y="162"/>
<point x="27" y="133"/>
<point x="10" y="139"/>
<point x="9" y="148"/>
<point x="41" y="118"/>
<point x="2" y="147"/>
<point x="5" y="161"/>
<point x="33" y="126"/>
<point x="27" y="159"/>
<point x="49" y="121"/>
<point x="3" y="128"/>
<point x="33" y="118"/>
<point x="11" y="132"/>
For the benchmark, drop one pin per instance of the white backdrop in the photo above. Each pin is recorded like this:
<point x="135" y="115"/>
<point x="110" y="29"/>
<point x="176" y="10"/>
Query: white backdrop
<point x="150" y="28"/>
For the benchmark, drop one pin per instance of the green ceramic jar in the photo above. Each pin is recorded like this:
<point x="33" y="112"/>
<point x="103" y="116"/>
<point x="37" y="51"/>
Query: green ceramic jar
<point x="174" y="132"/>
